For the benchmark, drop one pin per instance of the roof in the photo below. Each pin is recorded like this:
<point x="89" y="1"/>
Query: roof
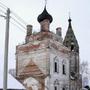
<point x="70" y="38"/>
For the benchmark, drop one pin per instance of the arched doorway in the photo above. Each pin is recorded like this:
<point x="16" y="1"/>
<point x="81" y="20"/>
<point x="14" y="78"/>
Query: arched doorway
<point x="31" y="83"/>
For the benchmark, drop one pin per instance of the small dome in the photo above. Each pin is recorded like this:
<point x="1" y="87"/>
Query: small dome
<point x="44" y="15"/>
<point x="69" y="20"/>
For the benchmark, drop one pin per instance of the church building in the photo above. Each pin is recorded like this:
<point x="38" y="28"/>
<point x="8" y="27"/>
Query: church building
<point x="46" y="61"/>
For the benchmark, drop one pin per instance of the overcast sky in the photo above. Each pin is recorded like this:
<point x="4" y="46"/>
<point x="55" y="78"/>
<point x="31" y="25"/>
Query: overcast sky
<point x="29" y="10"/>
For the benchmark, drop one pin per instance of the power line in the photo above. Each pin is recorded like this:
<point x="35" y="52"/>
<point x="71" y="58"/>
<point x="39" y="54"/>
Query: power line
<point x="18" y="23"/>
<point x="15" y="15"/>
<point x="14" y="20"/>
<point x="18" y="27"/>
<point x="3" y="6"/>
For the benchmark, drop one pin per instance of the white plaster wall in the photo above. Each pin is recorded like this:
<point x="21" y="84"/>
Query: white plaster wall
<point x="63" y="79"/>
<point x="47" y="82"/>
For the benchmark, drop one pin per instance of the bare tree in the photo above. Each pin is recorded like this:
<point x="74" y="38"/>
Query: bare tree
<point x="84" y="68"/>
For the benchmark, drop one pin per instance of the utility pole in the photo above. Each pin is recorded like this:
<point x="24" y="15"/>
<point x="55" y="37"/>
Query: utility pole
<point x="5" y="77"/>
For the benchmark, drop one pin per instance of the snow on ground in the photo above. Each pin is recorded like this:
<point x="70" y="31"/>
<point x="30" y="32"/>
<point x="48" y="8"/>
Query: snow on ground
<point x="12" y="82"/>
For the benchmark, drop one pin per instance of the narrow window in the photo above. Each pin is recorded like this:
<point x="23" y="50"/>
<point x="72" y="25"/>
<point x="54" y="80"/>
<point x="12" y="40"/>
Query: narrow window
<point x="63" y="88"/>
<point x="55" y="88"/>
<point x="55" y="67"/>
<point x="63" y="69"/>
<point x="56" y="85"/>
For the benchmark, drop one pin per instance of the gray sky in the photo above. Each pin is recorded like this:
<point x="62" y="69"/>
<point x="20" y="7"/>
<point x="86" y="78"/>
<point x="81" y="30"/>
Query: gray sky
<point x="28" y="10"/>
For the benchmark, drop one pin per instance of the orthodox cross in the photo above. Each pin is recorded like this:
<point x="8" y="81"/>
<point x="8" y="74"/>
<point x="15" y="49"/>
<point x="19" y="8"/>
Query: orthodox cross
<point x="45" y="3"/>
<point x="69" y="15"/>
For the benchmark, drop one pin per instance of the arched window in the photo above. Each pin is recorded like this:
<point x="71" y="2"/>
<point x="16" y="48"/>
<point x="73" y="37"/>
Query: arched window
<point x="55" y="88"/>
<point x="64" y="67"/>
<point x="56" y="65"/>
<point x="63" y="70"/>
<point x="56" y="85"/>
<point x="63" y="88"/>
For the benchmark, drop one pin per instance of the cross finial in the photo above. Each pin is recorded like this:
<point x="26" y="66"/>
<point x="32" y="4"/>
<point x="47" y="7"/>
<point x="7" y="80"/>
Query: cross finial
<point x="45" y="3"/>
<point x="69" y="15"/>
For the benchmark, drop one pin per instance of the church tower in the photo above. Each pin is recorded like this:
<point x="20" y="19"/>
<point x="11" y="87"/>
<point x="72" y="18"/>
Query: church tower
<point x="71" y="42"/>
<point x="45" y="61"/>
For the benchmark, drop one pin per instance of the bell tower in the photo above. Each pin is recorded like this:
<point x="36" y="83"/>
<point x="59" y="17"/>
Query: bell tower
<point x="71" y="42"/>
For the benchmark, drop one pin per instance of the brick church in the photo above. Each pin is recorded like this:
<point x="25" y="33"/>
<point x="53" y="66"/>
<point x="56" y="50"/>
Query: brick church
<point x="46" y="61"/>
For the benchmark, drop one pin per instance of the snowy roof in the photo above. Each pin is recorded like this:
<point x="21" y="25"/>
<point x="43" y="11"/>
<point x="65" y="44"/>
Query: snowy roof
<point x="12" y="82"/>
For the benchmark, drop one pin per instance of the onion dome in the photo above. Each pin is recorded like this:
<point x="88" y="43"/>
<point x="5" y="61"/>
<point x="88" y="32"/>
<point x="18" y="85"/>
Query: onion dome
<point x="44" y="15"/>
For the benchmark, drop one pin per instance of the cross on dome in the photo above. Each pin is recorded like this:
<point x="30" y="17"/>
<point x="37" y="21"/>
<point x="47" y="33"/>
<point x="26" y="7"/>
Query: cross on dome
<point x="45" y="3"/>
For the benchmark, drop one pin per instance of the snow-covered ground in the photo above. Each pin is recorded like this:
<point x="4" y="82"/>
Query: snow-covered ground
<point x="12" y="82"/>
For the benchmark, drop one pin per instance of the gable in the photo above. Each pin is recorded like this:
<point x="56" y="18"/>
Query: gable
<point x="31" y="69"/>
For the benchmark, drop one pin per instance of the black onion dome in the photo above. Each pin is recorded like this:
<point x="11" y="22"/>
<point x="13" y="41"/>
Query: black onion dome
<point x="44" y="15"/>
